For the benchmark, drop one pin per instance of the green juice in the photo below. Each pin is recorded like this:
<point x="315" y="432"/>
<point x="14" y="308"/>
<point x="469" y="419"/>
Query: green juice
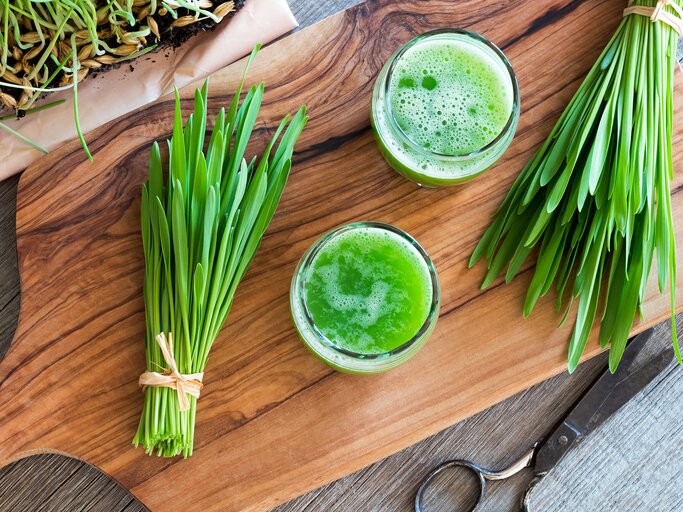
<point x="450" y="98"/>
<point x="362" y="294"/>
<point x="368" y="291"/>
<point x="445" y="107"/>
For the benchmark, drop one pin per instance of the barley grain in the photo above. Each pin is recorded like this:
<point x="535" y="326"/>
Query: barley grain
<point x="33" y="53"/>
<point x="224" y="9"/>
<point x="30" y="37"/>
<point x="125" y="50"/>
<point x="91" y="63"/>
<point x="183" y="21"/>
<point x="85" y="52"/>
<point x="106" y="59"/>
<point x="8" y="100"/>
<point x="144" y="12"/>
<point x="10" y="77"/>
<point x="153" y="26"/>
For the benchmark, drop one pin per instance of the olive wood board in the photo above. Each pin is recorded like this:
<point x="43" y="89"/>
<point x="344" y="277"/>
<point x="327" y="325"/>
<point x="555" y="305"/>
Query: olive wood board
<point x="274" y="422"/>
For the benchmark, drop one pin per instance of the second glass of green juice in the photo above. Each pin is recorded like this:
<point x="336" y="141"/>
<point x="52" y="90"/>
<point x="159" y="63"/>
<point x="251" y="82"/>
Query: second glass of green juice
<point x="445" y="107"/>
<point x="365" y="297"/>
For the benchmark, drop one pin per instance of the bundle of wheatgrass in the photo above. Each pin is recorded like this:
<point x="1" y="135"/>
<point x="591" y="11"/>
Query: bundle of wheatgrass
<point x="200" y="232"/>
<point x="595" y="198"/>
<point x="51" y="45"/>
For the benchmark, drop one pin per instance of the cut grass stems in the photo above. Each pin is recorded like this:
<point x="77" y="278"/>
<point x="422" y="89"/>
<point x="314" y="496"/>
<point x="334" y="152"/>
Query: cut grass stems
<point x="52" y="45"/>
<point x="595" y="198"/>
<point x="200" y="232"/>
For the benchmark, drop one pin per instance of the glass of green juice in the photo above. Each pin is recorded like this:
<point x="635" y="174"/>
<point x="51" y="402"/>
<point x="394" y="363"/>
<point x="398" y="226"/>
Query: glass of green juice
<point x="445" y="107"/>
<point x="365" y="297"/>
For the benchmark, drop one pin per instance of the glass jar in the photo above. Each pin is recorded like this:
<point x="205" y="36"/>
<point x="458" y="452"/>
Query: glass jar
<point x="341" y="358"/>
<point x="413" y="159"/>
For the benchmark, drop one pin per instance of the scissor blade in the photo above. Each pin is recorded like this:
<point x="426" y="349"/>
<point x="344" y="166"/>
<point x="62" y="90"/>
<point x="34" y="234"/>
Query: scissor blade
<point x="609" y="393"/>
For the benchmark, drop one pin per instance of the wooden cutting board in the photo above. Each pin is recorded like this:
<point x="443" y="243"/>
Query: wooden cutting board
<point x="273" y="421"/>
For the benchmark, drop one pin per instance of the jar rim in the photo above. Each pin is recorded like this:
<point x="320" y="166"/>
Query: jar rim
<point x="301" y="276"/>
<point x="478" y="38"/>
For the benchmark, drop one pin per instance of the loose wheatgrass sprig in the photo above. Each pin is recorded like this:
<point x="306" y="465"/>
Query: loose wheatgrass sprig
<point x="595" y="199"/>
<point x="200" y="232"/>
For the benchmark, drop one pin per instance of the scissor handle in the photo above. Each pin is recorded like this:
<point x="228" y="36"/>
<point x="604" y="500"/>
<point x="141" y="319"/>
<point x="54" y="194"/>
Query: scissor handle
<point x="526" y="499"/>
<point x="481" y="473"/>
<point x="469" y="466"/>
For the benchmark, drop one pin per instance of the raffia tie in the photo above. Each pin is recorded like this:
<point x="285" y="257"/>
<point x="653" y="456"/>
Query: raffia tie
<point x="658" y="13"/>
<point x="184" y="384"/>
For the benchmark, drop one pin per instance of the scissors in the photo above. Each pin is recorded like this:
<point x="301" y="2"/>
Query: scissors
<point x="607" y="395"/>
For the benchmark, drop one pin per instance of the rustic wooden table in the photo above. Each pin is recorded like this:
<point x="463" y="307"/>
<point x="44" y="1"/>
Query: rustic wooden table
<point x="631" y="463"/>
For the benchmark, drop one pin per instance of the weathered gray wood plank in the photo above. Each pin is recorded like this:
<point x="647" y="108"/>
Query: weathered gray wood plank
<point x="634" y="463"/>
<point x="631" y="464"/>
<point x="55" y="483"/>
<point x="308" y="12"/>
<point x="9" y="276"/>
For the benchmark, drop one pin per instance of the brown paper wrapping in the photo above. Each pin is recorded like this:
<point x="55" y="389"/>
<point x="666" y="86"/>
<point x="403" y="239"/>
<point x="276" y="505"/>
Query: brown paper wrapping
<point x="114" y="93"/>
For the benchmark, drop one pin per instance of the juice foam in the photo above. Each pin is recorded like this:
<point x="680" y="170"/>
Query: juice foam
<point x="368" y="291"/>
<point x="450" y="97"/>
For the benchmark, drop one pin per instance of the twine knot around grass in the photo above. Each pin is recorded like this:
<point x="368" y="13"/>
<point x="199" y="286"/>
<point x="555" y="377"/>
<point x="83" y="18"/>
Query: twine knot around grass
<point x="658" y="13"/>
<point x="184" y="384"/>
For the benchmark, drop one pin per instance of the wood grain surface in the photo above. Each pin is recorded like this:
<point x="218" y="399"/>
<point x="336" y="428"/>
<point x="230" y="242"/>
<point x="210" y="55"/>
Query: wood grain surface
<point x="269" y="398"/>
